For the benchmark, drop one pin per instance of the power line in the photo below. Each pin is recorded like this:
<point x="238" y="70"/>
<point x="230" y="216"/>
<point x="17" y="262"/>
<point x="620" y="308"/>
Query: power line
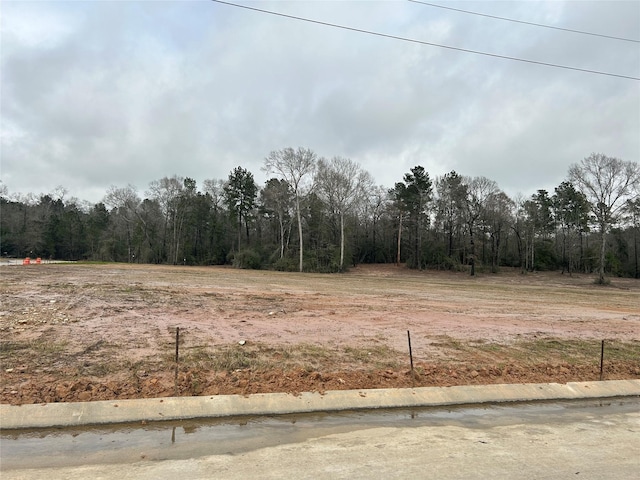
<point x="525" y="23"/>
<point x="411" y="40"/>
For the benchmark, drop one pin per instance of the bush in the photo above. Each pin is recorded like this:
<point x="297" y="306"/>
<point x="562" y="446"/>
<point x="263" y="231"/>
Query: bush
<point x="247" y="258"/>
<point x="545" y="256"/>
<point x="453" y="264"/>
<point x="285" y="265"/>
<point x="323" y="259"/>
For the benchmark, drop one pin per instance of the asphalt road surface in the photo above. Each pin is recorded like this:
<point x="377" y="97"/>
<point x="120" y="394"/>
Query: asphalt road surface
<point x="562" y="440"/>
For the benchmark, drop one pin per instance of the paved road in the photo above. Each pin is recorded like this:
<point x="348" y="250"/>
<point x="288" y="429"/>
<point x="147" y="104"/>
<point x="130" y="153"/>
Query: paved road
<point x="577" y="440"/>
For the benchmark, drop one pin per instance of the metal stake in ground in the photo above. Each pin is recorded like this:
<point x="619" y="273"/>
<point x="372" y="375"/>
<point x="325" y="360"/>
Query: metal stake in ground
<point x="410" y="353"/>
<point x="175" y="378"/>
<point x="601" y="360"/>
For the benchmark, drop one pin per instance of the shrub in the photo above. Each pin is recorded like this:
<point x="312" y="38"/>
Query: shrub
<point x="247" y="258"/>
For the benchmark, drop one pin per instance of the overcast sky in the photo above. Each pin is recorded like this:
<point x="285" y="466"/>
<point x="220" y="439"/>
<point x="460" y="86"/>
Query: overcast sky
<point x="127" y="92"/>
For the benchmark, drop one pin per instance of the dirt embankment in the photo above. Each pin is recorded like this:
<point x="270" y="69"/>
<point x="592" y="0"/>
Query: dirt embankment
<point x="90" y="332"/>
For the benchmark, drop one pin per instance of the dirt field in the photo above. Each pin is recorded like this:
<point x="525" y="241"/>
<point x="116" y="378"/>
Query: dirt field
<point x="78" y="332"/>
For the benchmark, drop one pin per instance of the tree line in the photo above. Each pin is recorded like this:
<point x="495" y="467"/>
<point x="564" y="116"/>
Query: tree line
<point x="324" y="215"/>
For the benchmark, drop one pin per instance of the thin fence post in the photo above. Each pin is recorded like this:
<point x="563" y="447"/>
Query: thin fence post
<point x="410" y="352"/>
<point x="601" y="360"/>
<point x="175" y="378"/>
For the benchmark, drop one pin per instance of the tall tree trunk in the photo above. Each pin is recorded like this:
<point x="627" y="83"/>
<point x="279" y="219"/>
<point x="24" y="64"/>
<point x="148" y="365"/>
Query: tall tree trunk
<point x="569" y="252"/>
<point x="495" y="251"/>
<point x="419" y="242"/>
<point x="472" y="256"/>
<point x="281" y="236"/>
<point x="341" y="240"/>
<point x="603" y="242"/>
<point x="399" y="240"/>
<point x="581" y="262"/>
<point x="299" y="230"/>
<point x="635" y="249"/>
<point x="533" y="251"/>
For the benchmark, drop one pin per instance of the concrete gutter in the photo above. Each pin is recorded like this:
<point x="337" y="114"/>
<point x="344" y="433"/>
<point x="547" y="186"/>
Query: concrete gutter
<point x="178" y="408"/>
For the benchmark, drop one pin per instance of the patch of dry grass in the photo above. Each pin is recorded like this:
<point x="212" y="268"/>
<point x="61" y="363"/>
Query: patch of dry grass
<point x="544" y="350"/>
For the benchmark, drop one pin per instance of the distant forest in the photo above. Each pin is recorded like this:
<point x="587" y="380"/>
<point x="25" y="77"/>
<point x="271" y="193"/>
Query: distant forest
<point x="321" y="215"/>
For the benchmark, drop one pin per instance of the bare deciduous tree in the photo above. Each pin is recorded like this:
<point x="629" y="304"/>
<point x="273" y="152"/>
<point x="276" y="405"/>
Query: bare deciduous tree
<point x="125" y="202"/>
<point x="294" y="166"/>
<point x="168" y="192"/>
<point x="341" y="182"/>
<point x="607" y="183"/>
<point x="497" y="218"/>
<point x="277" y="197"/>
<point x="215" y="188"/>
<point x="479" y="190"/>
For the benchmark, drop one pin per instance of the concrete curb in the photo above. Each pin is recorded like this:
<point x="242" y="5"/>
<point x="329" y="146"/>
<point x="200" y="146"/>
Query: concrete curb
<point x="178" y="408"/>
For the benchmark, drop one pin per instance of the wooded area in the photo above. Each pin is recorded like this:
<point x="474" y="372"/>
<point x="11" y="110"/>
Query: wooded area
<point x="325" y="215"/>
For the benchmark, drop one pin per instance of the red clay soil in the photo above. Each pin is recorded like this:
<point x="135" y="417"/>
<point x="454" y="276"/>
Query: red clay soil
<point x="77" y="332"/>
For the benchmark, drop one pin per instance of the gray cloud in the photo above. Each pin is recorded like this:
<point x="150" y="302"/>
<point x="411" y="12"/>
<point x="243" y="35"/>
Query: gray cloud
<point x="115" y="93"/>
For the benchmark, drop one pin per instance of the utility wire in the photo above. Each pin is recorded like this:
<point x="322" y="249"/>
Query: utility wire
<point x="526" y="23"/>
<point x="411" y="40"/>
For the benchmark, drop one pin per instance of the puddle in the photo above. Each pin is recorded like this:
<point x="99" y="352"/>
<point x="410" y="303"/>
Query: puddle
<point x="185" y="439"/>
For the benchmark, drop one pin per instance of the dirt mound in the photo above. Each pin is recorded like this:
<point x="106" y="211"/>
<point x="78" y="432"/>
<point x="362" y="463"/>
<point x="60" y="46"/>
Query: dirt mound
<point x="38" y="389"/>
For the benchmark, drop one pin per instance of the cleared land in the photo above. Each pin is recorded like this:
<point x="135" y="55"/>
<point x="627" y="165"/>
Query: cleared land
<point x="86" y="332"/>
